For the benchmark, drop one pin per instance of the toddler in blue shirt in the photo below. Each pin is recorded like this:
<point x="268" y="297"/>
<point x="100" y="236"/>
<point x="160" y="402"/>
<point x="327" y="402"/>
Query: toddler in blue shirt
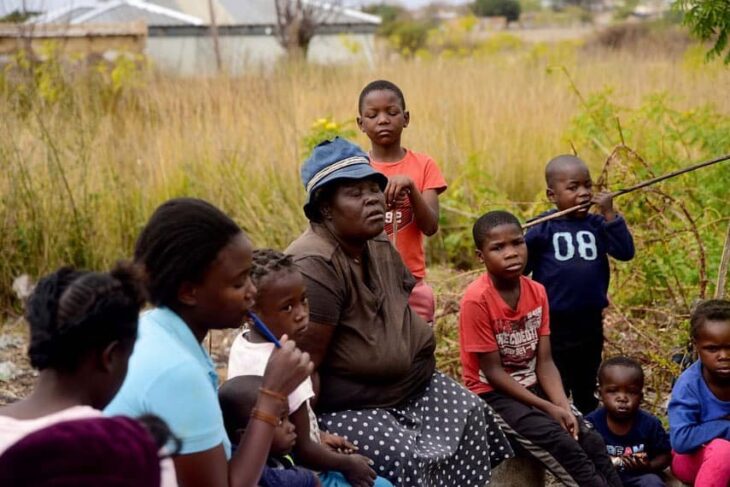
<point x="635" y="440"/>
<point x="569" y="256"/>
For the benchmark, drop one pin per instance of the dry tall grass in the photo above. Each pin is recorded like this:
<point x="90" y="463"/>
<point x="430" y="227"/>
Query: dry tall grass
<point x="78" y="178"/>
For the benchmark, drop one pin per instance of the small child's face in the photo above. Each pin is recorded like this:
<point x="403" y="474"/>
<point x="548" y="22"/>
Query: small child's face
<point x="621" y="391"/>
<point x="713" y="346"/>
<point x="571" y="186"/>
<point x="382" y="117"/>
<point x="282" y="303"/>
<point x="284" y="438"/>
<point x="504" y="252"/>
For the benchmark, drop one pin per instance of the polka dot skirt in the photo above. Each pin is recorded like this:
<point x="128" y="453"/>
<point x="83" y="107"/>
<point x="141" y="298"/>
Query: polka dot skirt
<point x="445" y="437"/>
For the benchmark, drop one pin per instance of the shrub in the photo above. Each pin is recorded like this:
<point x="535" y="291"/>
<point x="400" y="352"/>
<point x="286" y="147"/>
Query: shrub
<point x="509" y="9"/>
<point x="410" y="36"/>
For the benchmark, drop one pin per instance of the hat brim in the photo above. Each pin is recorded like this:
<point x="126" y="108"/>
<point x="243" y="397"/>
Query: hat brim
<point x="357" y="172"/>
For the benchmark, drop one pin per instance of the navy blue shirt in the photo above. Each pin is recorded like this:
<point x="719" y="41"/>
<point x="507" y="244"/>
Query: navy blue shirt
<point x="647" y="435"/>
<point x="570" y="258"/>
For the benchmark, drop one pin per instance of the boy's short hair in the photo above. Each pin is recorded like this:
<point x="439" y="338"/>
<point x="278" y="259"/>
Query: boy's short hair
<point x="620" y="361"/>
<point x="237" y="398"/>
<point x="712" y="309"/>
<point x="378" y="85"/>
<point x="558" y="163"/>
<point x="488" y="221"/>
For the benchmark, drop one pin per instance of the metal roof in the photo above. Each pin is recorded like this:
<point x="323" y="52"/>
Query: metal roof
<point x="263" y="12"/>
<point x="95" y="11"/>
<point x="170" y="13"/>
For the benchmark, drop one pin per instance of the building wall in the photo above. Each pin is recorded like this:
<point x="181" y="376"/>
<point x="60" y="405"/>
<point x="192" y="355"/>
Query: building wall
<point x="80" y="40"/>
<point x="194" y="55"/>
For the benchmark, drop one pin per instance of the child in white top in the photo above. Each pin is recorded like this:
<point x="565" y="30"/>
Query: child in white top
<point x="282" y="305"/>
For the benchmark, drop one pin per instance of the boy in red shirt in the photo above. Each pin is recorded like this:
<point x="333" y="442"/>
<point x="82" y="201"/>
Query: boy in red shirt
<point x="414" y="183"/>
<point x="504" y="337"/>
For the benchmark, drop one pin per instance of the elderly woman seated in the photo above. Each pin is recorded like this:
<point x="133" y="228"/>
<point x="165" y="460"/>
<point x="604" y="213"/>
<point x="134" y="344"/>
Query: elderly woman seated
<point x="374" y="355"/>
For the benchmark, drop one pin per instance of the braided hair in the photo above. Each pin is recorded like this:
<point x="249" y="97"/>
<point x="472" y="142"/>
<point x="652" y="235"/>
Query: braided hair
<point x="178" y="244"/>
<point x="72" y="312"/>
<point x="712" y="310"/>
<point x="269" y="261"/>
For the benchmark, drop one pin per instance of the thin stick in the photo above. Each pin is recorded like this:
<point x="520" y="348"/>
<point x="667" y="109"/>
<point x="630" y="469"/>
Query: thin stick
<point x="649" y="182"/>
<point x="722" y="271"/>
<point x="395" y="227"/>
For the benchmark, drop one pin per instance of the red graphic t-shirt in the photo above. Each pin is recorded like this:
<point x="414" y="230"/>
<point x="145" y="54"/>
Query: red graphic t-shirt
<point x="488" y="324"/>
<point x="426" y="175"/>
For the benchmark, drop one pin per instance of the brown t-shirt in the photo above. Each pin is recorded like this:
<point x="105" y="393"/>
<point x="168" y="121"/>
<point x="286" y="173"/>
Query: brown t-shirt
<point x="381" y="353"/>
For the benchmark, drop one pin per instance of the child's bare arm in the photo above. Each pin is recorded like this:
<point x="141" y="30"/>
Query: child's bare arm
<point x="336" y="443"/>
<point x="548" y="376"/>
<point x="491" y="366"/>
<point x="356" y="468"/>
<point x="425" y="205"/>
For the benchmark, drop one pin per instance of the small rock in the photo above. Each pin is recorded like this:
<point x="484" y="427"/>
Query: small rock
<point x="23" y="286"/>
<point x="10" y="341"/>
<point x="8" y="371"/>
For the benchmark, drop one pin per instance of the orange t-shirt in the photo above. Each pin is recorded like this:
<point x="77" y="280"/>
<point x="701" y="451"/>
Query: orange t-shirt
<point x="488" y="324"/>
<point x="426" y="175"/>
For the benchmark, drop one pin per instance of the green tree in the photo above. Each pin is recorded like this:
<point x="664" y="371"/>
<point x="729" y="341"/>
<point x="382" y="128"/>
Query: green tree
<point x="509" y="9"/>
<point x="390" y="16"/>
<point x="709" y="20"/>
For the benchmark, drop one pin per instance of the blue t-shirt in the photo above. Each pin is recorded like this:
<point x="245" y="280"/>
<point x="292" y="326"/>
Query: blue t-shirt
<point x="171" y="375"/>
<point x="696" y="416"/>
<point x="570" y="258"/>
<point x="647" y="435"/>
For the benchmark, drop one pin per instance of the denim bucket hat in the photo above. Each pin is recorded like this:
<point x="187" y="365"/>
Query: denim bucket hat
<point x="332" y="160"/>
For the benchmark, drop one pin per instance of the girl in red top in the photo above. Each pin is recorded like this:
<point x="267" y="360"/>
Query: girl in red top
<point x="414" y="183"/>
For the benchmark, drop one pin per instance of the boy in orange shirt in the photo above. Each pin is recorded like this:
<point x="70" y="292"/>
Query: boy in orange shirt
<point x="414" y="183"/>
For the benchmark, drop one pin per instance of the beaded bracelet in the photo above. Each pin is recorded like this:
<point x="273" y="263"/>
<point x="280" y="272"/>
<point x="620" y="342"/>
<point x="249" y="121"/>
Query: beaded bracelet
<point x="265" y="417"/>
<point x="274" y="394"/>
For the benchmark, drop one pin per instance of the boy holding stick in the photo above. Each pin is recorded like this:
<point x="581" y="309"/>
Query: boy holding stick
<point x="569" y="256"/>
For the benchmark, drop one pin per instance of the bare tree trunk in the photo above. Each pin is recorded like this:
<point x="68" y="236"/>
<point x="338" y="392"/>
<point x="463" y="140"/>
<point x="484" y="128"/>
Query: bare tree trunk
<point x="297" y="23"/>
<point x="214" y="35"/>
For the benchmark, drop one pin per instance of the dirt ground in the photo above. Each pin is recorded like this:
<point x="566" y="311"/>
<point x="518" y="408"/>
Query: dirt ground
<point x="16" y="375"/>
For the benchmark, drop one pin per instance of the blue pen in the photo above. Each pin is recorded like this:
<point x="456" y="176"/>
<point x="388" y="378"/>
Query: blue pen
<point x="264" y="329"/>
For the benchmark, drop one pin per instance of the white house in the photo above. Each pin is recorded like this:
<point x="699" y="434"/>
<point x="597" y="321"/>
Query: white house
<point x="180" y="40"/>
